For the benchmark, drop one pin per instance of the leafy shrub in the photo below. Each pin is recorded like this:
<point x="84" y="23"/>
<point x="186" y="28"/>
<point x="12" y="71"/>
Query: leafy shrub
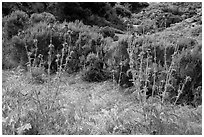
<point x="185" y="43"/>
<point x="189" y="64"/>
<point x="117" y="59"/>
<point x="37" y="40"/>
<point x="165" y="20"/>
<point x="94" y="71"/>
<point x="8" y="56"/>
<point x="115" y="38"/>
<point x="148" y="25"/>
<point x="122" y="11"/>
<point x="15" y="22"/>
<point x="44" y="17"/>
<point x="107" y="32"/>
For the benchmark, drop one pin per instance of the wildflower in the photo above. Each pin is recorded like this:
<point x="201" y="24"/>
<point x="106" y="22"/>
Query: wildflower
<point x="58" y="55"/>
<point x="51" y="46"/>
<point x="69" y="31"/>
<point x="188" y="78"/>
<point x="29" y="53"/>
<point x="35" y="40"/>
<point x="40" y="56"/>
<point x="64" y="44"/>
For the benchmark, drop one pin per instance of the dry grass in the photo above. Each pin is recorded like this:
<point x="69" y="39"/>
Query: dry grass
<point x="93" y="108"/>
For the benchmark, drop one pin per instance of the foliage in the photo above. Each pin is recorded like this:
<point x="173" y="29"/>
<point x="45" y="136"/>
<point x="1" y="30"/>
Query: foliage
<point x="44" y="17"/>
<point x="15" y="22"/>
<point x="135" y="7"/>
<point x="88" y="108"/>
<point x="94" y="69"/>
<point x="122" y="11"/>
<point x="107" y="32"/>
<point x="159" y="72"/>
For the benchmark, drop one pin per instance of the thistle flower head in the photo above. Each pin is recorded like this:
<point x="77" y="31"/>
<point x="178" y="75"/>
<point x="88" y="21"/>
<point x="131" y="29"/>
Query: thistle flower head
<point x="35" y="40"/>
<point x="58" y="55"/>
<point x="51" y="46"/>
<point x="29" y="53"/>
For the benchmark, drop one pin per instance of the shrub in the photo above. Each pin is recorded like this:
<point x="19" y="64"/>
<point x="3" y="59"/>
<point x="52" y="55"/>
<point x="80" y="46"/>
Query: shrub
<point x="8" y="56"/>
<point x="94" y="69"/>
<point x="15" y="22"/>
<point x="43" y="38"/>
<point x="37" y="40"/>
<point x="107" y="32"/>
<point x="148" y="25"/>
<point x="122" y="11"/>
<point x="117" y="59"/>
<point x="19" y="54"/>
<point x="44" y="17"/>
<point x="189" y="64"/>
<point x="165" y="20"/>
<point x="185" y="43"/>
<point x="115" y="38"/>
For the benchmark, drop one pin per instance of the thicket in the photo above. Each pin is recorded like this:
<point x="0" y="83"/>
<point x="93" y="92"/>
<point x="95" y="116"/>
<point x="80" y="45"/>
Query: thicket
<point x="86" y="48"/>
<point x="166" y="64"/>
<point x="163" y="15"/>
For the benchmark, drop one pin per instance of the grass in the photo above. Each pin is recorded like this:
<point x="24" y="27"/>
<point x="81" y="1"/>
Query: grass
<point x="91" y="108"/>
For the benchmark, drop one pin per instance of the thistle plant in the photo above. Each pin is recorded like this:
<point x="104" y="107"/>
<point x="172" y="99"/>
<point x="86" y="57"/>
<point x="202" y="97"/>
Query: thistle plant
<point x="181" y="88"/>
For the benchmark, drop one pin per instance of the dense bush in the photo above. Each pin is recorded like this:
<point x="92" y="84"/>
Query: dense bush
<point x="189" y="64"/>
<point x="44" y="17"/>
<point x="117" y="59"/>
<point x="12" y="24"/>
<point x="107" y="32"/>
<point x="176" y="59"/>
<point x="94" y="71"/>
<point x="75" y="39"/>
<point x="37" y="39"/>
<point x="147" y="26"/>
<point x="122" y="11"/>
<point x="185" y="43"/>
<point x="135" y="7"/>
<point x="15" y="22"/>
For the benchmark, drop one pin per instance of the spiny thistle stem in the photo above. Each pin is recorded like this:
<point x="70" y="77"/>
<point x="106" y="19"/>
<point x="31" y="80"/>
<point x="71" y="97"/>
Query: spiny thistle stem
<point x="180" y="91"/>
<point x="35" y="54"/>
<point x="154" y="73"/>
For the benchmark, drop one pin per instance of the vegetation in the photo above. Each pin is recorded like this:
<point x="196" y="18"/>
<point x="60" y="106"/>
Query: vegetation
<point x="82" y="72"/>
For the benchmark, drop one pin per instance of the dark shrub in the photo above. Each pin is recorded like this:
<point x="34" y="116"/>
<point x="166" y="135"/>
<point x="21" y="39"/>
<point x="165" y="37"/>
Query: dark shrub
<point x="117" y="59"/>
<point x="147" y="25"/>
<point x="115" y="38"/>
<point x="38" y="36"/>
<point x="15" y="22"/>
<point x="107" y="32"/>
<point x="185" y="43"/>
<point x="44" y="17"/>
<point x="122" y="11"/>
<point x="189" y="64"/>
<point x="19" y="54"/>
<point x="94" y="69"/>
<point x="8" y="56"/>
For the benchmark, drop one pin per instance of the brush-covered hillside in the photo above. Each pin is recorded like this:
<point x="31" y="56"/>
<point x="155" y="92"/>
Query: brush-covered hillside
<point x="106" y="68"/>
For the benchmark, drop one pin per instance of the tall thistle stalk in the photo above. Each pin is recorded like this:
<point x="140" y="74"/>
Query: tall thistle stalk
<point x="141" y="56"/>
<point x="154" y="64"/>
<point x="133" y="66"/>
<point x="59" y="61"/>
<point x="51" y="47"/>
<point x="165" y="63"/>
